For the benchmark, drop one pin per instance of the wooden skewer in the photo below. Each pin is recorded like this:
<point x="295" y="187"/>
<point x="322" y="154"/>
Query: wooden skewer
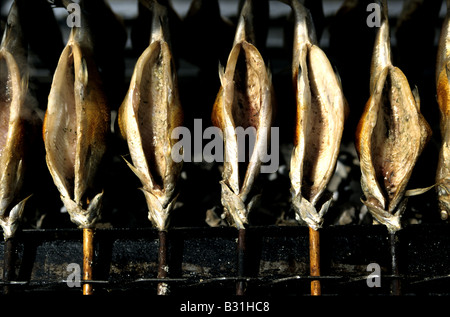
<point x="163" y="268"/>
<point x="396" y="283"/>
<point x="8" y="265"/>
<point x="314" y="260"/>
<point x="240" y="285"/>
<point x="88" y="259"/>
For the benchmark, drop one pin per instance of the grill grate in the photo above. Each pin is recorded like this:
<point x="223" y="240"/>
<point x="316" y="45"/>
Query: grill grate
<point x="204" y="261"/>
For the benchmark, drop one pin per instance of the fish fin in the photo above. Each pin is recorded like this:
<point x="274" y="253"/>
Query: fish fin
<point x="159" y="213"/>
<point x="306" y="212"/>
<point x="139" y="174"/>
<point x="392" y="222"/>
<point x="221" y="73"/>
<point x="419" y="191"/>
<point x="384" y="9"/>
<point x="416" y="95"/>
<point x="81" y="217"/>
<point x="234" y="207"/>
<point x="11" y="223"/>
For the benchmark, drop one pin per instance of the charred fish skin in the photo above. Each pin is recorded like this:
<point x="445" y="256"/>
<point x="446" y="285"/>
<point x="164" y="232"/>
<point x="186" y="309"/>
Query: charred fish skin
<point x="17" y="118"/>
<point x="149" y="113"/>
<point x="76" y="127"/>
<point x="321" y="108"/>
<point x="245" y="99"/>
<point x="443" y="99"/>
<point x="390" y="136"/>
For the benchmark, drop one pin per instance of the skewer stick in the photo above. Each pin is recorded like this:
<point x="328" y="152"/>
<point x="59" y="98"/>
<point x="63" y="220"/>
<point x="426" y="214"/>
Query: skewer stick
<point x="163" y="268"/>
<point x="314" y="260"/>
<point x="88" y="259"/>
<point x="8" y="265"/>
<point x="395" y="284"/>
<point x="240" y="285"/>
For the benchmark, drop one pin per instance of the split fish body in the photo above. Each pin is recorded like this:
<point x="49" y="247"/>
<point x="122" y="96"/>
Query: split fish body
<point x="321" y="110"/>
<point x="149" y="113"/>
<point x="245" y="99"/>
<point x="76" y="128"/>
<point x="390" y="136"/>
<point x="443" y="98"/>
<point x="17" y="121"/>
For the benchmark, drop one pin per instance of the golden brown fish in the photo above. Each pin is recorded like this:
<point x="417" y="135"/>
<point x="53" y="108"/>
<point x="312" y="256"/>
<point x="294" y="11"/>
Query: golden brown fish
<point x="245" y="99"/>
<point x="443" y="98"/>
<point x="390" y="136"/>
<point x="321" y="109"/>
<point x="76" y="127"/>
<point x="147" y="117"/>
<point x="17" y="119"/>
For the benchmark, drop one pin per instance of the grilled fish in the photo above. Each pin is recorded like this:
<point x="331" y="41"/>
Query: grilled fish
<point x="443" y="98"/>
<point x="321" y="110"/>
<point x="147" y="117"/>
<point x="76" y="128"/>
<point x="391" y="134"/>
<point x="245" y="99"/>
<point x="17" y="121"/>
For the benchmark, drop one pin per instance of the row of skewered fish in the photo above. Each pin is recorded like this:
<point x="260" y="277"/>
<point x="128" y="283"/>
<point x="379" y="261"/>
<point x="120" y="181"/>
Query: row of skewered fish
<point x="390" y="137"/>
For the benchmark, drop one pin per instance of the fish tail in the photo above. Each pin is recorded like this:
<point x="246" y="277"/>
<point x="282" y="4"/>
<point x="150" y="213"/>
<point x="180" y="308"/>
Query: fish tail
<point x="305" y="29"/>
<point x="244" y="29"/>
<point x="384" y="10"/>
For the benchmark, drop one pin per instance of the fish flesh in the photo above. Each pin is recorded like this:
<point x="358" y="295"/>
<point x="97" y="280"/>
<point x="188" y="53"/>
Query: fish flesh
<point x="245" y="99"/>
<point x="443" y="98"/>
<point x="149" y="113"/>
<point x="76" y="128"/>
<point x="18" y="122"/>
<point x="321" y="111"/>
<point x="391" y="134"/>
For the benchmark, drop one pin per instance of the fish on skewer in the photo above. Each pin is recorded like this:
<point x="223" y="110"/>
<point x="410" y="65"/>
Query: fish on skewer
<point x="391" y="134"/>
<point x="443" y="98"/>
<point x="76" y="128"/>
<point x="75" y="132"/>
<point x="149" y="113"/>
<point x="321" y="112"/>
<point x="147" y="117"/>
<point x="18" y="123"/>
<point x="245" y="99"/>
